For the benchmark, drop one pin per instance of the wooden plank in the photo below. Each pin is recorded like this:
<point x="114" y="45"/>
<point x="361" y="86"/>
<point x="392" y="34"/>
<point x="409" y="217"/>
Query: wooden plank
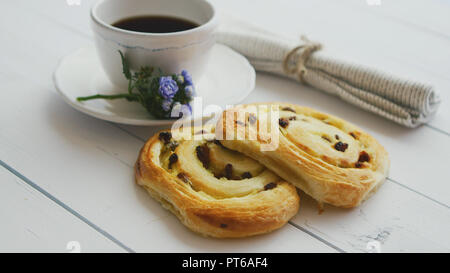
<point x="402" y="143"/>
<point x="427" y="16"/>
<point x="398" y="219"/>
<point x="89" y="165"/>
<point x="33" y="223"/>
<point x="100" y="155"/>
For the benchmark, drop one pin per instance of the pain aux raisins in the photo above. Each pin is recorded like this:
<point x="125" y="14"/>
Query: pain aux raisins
<point x="246" y="175"/>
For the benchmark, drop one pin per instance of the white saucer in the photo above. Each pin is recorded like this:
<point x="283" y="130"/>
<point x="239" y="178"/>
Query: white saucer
<point x="229" y="78"/>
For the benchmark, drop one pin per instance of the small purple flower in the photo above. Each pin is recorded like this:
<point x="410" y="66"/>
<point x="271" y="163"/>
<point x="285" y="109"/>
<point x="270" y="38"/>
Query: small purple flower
<point x="189" y="91"/>
<point x="166" y="104"/>
<point x="167" y="87"/>
<point x="187" y="77"/>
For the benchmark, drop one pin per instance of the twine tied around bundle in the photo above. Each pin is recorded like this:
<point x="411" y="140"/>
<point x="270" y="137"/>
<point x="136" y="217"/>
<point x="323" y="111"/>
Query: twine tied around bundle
<point x="306" y="49"/>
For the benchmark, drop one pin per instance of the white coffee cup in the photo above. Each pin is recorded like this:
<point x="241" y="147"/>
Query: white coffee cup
<point x="171" y="52"/>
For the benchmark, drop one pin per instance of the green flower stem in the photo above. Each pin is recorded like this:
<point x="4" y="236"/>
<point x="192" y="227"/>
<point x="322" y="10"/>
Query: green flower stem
<point x="109" y="97"/>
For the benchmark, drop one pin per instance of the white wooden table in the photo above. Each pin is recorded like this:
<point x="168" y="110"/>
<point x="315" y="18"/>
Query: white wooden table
<point x="65" y="176"/>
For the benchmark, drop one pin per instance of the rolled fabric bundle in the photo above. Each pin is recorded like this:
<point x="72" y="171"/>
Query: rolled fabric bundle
<point x="405" y="102"/>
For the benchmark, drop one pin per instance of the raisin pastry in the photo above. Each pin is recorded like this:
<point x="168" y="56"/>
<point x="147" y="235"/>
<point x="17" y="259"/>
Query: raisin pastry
<point x="212" y="190"/>
<point x="328" y="158"/>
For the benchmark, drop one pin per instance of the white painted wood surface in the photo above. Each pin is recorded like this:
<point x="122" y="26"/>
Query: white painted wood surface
<point x="85" y="165"/>
<point x="33" y="223"/>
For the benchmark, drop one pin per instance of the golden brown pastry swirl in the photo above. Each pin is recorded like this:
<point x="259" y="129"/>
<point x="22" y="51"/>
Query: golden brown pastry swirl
<point x="213" y="191"/>
<point x="328" y="158"/>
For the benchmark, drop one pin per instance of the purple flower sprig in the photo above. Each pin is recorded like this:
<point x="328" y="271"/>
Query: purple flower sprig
<point x="167" y="87"/>
<point x="164" y="96"/>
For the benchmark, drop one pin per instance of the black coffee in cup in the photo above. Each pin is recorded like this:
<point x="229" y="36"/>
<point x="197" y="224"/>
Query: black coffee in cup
<point x="155" y="24"/>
